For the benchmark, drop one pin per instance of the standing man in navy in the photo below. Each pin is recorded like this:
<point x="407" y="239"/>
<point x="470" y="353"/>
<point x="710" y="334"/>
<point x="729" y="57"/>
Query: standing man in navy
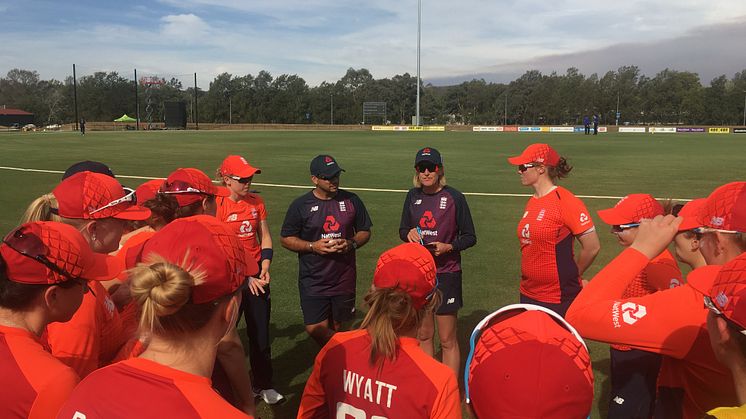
<point x="587" y="125"/>
<point x="595" y="124"/>
<point x="325" y="227"/>
<point x="437" y="216"/>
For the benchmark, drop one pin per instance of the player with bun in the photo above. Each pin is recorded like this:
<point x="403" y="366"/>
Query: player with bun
<point x="527" y="362"/>
<point x="244" y="212"/>
<point x="633" y="372"/>
<point x="438" y="216"/>
<point x="380" y="370"/>
<point x="553" y="219"/>
<point x="189" y="290"/>
<point x="44" y="272"/>
<point x="325" y="227"/>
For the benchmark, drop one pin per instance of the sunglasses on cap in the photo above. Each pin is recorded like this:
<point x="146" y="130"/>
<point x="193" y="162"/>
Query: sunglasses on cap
<point x="501" y="315"/>
<point x="179" y="186"/>
<point x="621" y="227"/>
<point x="710" y="305"/>
<point x="242" y="180"/>
<point x="703" y="230"/>
<point x="426" y="165"/>
<point x="128" y="197"/>
<point x="32" y="247"/>
<point x="523" y="167"/>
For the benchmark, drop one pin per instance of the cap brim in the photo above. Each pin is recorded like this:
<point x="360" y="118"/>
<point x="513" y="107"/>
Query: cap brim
<point x="133" y="213"/>
<point x="518" y="160"/>
<point x="701" y="279"/>
<point x="247" y="171"/>
<point x="689" y="223"/>
<point x="611" y="217"/>
<point x="104" y="268"/>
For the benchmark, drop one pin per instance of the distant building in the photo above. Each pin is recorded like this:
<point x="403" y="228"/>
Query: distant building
<point x="10" y="117"/>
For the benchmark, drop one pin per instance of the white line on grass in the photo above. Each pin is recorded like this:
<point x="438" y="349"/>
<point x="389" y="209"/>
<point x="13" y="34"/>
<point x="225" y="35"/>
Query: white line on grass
<point x="278" y="185"/>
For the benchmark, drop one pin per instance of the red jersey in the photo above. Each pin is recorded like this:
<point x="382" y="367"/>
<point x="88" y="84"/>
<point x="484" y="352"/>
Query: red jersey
<point x="243" y="217"/>
<point x="669" y="322"/>
<point x="92" y="337"/>
<point x="140" y="388"/>
<point x="345" y="384"/>
<point x="34" y="383"/>
<point x="546" y="232"/>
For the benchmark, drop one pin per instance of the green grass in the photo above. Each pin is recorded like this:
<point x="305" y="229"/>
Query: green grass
<point x="678" y="166"/>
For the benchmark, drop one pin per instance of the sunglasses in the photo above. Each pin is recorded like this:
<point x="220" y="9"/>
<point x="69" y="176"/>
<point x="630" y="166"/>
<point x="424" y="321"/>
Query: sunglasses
<point x="242" y="180"/>
<point x="703" y="230"/>
<point x="179" y="186"/>
<point x="32" y="247"/>
<point x="710" y="305"/>
<point x="621" y="227"/>
<point x="128" y="197"/>
<point x="328" y="178"/>
<point x="430" y="167"/>
<point x="501" y="315"/>
<point x="523" y="167"/>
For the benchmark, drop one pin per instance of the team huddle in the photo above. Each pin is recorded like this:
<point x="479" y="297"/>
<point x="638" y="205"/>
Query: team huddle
<point x="120" y="303"/>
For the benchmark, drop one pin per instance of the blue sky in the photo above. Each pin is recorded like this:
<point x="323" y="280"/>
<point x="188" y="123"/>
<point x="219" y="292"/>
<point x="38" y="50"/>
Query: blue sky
<point x="320" y="39"/>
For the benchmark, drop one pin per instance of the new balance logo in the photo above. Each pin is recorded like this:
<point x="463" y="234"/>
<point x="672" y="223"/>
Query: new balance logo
<point x="314" y="208"/>
<point x="618" y="400"/>
<point x="232" y="217"/>
<point x="418" y="202"/>
<point x="451" y="300"/>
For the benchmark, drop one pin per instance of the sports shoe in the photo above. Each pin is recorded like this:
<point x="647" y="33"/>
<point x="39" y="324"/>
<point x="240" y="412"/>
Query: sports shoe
<point x="270" y="396"/>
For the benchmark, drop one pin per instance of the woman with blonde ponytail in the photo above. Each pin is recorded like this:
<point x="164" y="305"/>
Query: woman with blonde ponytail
<point x="396" y="379"/>
<point x="189" y="289"/>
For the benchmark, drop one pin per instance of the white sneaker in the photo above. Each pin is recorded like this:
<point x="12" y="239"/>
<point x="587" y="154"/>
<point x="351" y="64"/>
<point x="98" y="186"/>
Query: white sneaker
<point x="271" y="396"/>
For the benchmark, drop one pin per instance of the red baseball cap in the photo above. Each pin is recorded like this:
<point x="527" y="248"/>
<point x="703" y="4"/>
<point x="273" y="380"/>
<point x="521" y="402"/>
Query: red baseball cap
<point x="92" y="196"/>
<point x="189" y="185"/>
<point x="148" y="190"/>
<point x="409" y="267"/>
<point x="237" y="166"/>
<point x="690" y="213"/>
<point x="539" y="153"/>
<point x="48" y="252"/>
<point x="526" y="361"/>
<point x="631" y="209"/>
<point x="205" y="243"/>
<point x="725" y="208"/>
<point x="728" y="292"/>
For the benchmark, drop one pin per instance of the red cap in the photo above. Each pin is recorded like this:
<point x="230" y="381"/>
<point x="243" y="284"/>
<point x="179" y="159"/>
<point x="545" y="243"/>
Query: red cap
<point x="237" y="166"/>
<point x="631" y="209"/>
<point x="188" y="185"/>
<point x="409" y="267"/>
<point x="728" y="291"/>
<point x="725" y="208"/>
<point x="91" y="196"/>
<point x="205" y="243"/>
<point x="60" y="244"/>
<point x="529" y="363"/>
<point x="690" y="212"/>
<point x="539" y="153"/>
<point x="148" y="190"/>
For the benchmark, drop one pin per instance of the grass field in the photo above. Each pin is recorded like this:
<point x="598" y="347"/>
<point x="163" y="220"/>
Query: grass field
<point x="610" y="165"/>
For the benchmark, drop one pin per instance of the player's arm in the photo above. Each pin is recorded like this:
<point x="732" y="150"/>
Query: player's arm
<point x="231" y="357"/>
<point x="467" y="236"/>
<point x="448" y="403"/>
<point x="265" y="240"/>
<point x="407" y="229"/>
<point x="50" y="399"/>
<point x="589" y="248"/>
<point x="313" y="402"/>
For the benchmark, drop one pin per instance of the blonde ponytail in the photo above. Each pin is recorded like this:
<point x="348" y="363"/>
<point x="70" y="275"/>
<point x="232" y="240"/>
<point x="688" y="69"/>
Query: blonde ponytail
<point x="40" y="209"/>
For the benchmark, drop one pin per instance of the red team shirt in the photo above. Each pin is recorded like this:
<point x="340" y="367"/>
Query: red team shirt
<point x="671" y="323"/>
<point x="140" y="388"/>
<point x="345" y="385"/>
<point x="243" y="218"/>
<point x="546" y="232"/>
<point x="34" y="383"/>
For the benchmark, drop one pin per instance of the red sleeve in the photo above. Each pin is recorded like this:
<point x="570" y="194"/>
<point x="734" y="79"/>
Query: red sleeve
<point x="575" y="215"/>
<point x="448" y="403"/>
<point x="666" y="322"/>
<point x="51" y="398"/>
<point x="77" y="342"/>
<point x="313" y="402"/>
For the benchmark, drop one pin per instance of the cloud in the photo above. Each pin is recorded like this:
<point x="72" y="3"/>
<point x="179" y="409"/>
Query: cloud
<point x="186" y="26"/>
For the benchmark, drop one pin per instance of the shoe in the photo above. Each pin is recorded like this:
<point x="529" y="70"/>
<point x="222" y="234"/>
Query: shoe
<point x="271" y="396"/>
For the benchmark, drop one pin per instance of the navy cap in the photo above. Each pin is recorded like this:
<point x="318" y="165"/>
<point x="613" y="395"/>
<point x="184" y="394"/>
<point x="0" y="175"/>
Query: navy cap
<point x="88" y="166"/>
<point x="325" y="166"/>
<point x="428" y="154"/>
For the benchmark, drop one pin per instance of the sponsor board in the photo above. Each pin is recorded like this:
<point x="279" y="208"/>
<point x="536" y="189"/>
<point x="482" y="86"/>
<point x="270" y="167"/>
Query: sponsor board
<point x="408" y="128"/>
<point x="739" y="130"/>
<point x="510" y="129"/>
<point x="487" y="129"/>
<point x="631" y="129"/>
<point x="719" y="130"/>
<point x="600" y="129"/>
<point x="690" y="129"/>
<point x="561" y="129"/>
<point x="529" y="129"/>
<point x="662" y="130"/>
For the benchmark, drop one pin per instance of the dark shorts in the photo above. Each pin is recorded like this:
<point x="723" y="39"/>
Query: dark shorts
<point x="634" y="375"/>
<point x="560" y="308"/>
<point x="449" y="284"/>
<point x="335" y="308"/>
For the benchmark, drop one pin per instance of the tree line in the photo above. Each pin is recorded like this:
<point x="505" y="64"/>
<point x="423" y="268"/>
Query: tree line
<point x="670" y="97"/>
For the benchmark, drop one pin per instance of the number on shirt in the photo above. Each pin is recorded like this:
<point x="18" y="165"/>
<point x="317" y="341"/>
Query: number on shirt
<point x="345" y="410"/>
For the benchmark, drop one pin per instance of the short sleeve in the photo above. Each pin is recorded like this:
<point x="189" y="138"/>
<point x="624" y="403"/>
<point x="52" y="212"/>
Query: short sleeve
<point x="362" y="218"/>
<point x="293" y="223"/>
<point x="575" y="215"/>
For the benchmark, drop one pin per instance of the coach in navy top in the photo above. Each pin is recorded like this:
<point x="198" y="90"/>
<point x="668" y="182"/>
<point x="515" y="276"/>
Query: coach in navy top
<point x="438" y="216"/>
<point x="325" y="227"/>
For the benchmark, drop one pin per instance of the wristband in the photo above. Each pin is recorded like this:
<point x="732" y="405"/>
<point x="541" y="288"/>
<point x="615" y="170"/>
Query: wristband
<point x="266" y="254"/>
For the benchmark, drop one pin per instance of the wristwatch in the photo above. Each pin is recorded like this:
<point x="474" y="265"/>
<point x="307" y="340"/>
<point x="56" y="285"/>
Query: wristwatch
<point x="354" y="244"/>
